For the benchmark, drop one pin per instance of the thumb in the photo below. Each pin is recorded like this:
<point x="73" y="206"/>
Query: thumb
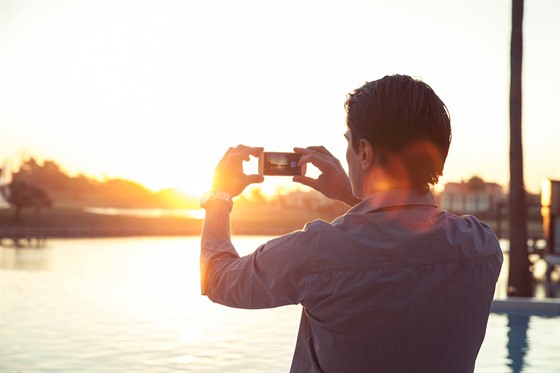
<point x="305" y="181"/>
<point x="253" y="179"/>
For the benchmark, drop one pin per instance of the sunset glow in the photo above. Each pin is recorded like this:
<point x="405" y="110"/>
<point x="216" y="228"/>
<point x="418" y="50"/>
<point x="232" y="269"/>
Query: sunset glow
<point x="156" y="92"/>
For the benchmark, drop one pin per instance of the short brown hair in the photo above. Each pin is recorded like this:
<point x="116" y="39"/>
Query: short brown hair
<point x="405" y="121"/>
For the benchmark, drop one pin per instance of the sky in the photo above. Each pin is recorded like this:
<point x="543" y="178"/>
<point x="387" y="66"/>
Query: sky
<point x="156" y="91"/>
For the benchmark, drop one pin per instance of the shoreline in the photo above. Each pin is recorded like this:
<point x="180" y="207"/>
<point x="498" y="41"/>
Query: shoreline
<point x="77" y="223"/>
<point x="60" y="222"/>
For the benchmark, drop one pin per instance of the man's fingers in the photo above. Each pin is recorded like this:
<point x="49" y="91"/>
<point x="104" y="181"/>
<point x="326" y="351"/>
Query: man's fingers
<point x="243" y="152"/>
<point x="230" y="149"/>
<point x="320" y="149"/>
<point x="305" y="180"/>
<point x="225" y="156"/>
<point x="313" y="149"/>
<point x="240" y="153"/>
<point x="320" y="161"/>
<point x="319" y="156"/>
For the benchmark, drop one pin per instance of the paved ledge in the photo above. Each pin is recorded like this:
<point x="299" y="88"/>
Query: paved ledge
<point x="527" y="306"/>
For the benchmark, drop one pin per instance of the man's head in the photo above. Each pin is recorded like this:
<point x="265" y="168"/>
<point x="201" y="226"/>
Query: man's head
<point x="407" y="126"/>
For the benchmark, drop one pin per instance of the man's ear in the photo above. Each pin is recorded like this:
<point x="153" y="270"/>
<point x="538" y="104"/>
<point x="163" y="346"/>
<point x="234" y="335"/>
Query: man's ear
<point x="367" y="155"/>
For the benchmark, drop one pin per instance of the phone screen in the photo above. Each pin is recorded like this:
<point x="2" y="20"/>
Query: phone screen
<point x="280" y="164"/>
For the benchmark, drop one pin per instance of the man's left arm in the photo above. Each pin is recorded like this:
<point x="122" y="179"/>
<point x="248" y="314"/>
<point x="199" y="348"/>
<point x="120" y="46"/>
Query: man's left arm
<point x="229" y="181"/>
<point x="215" y="242"/>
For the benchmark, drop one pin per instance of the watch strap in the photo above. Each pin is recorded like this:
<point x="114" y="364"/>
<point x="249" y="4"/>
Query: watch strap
<point x="216" y="195"/>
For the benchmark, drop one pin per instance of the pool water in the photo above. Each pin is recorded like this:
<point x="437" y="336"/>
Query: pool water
<point x="520" y="343"/>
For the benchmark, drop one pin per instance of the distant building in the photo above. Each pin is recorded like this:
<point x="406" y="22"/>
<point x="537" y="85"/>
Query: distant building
<point x="470" y="197"/>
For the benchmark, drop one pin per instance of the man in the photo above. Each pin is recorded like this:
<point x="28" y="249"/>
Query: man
<point x="393" y="285"/>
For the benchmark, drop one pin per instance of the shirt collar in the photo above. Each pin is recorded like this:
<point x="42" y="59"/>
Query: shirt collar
<point x="393" y="198"/>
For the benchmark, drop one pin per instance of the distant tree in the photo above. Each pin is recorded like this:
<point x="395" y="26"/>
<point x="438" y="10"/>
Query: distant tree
<point x="21" y="195"/>
<point x="126" y="193"/>
<point x="80" y="187"/>
<point x="49" y="175"/>
<point x="82" y="190"/>
<point x="519" y="280"/>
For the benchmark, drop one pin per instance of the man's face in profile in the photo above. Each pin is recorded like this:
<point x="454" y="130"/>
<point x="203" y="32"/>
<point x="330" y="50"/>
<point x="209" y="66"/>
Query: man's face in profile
<point x="354" y="168"/>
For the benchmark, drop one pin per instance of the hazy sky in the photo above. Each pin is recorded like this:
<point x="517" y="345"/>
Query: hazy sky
<point x="156" y="91"/>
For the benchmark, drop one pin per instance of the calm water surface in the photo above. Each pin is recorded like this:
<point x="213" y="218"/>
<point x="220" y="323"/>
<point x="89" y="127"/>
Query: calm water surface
<point x="134" y="305"/>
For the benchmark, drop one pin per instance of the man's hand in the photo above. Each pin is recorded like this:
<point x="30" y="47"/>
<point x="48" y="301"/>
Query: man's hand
<point x="229" y="176"/>
<point x="333" y="181"/>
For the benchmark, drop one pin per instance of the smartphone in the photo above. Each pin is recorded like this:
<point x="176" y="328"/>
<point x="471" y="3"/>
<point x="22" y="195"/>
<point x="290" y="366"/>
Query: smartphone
<point x="280" y="164"/>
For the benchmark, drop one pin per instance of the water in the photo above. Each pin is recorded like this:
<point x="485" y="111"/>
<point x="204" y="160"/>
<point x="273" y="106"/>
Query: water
<point x="134" y="305"/>
<point x="520" y="343"/>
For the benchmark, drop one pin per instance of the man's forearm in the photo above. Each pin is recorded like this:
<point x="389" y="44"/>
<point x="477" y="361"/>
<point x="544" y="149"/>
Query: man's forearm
<point x="215" y="233"/>
<point x="216" y="222"/>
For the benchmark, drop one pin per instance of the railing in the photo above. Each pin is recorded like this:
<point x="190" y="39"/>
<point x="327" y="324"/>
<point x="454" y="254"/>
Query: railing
<point x="22" y="240"/>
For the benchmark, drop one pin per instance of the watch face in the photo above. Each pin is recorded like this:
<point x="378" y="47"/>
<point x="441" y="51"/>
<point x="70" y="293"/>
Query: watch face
<point x="206" y="197"/>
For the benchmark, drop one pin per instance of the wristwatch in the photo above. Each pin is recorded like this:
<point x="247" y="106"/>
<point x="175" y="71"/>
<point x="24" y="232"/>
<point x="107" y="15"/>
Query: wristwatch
<point x="215" y="195"/>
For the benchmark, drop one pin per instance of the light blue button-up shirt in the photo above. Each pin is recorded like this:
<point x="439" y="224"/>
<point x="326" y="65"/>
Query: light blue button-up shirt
<point x="394" y="285"/>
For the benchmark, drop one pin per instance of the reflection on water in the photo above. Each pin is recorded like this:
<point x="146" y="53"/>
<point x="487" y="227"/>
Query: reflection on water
<point x="520" y="343"/>
<point x="134" y="304"/>
<point x="148" y="213"/>
<point x="24" y="258"/>
<point x="541" y="288"/>
<point x="517" y="346"/>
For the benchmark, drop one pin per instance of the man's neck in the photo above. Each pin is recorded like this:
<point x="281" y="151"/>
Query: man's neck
<point x="379" y="183"/>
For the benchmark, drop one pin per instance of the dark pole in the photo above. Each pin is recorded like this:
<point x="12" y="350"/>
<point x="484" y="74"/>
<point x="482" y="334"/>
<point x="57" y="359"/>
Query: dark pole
<point x="519" y="280"/>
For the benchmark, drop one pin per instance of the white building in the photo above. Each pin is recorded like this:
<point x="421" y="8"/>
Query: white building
<point x="469" y="197"/>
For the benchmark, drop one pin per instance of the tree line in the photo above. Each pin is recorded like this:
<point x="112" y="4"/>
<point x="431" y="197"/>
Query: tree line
<point x="45" y="184"/>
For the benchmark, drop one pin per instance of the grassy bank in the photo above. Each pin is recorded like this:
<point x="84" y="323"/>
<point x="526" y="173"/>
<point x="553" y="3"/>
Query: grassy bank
<point x="264" y="220"/>
<point x="75" y="222"/>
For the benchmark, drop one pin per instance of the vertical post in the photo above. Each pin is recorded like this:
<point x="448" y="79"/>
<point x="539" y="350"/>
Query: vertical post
<point x="519" y="280"/>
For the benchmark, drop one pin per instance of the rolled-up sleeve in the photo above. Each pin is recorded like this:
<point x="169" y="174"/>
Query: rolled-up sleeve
<point x="278" y="273"/>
